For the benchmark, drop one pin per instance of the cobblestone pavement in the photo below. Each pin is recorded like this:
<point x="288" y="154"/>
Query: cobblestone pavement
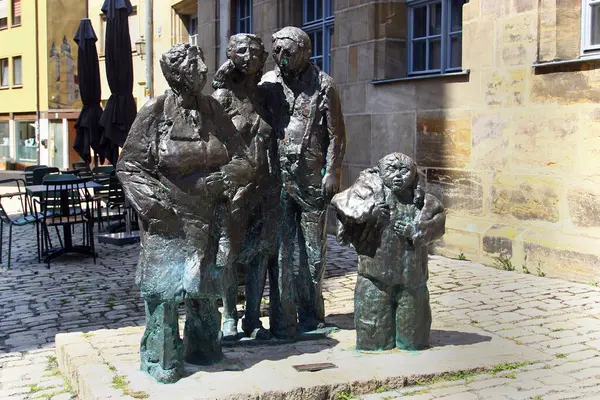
<point x="558" y="317"/>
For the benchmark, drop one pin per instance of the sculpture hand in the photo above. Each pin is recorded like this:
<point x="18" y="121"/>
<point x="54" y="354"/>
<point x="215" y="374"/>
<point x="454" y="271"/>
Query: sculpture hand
<point x="260" y="128"/>
<point x="404" y="228"/>
<point x="238" y="172"/>
<point x="216" y="183"/>
<point x="381" y="211"/>
<point x="330" y="186"/>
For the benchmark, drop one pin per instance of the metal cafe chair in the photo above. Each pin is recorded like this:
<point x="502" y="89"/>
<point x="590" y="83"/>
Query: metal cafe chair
<point x="40" y="173"/>
<point x="82" y="169"/>
<point x="80" y="165"/>
<point x="101" y="175"/>
<point x="22" y="219"/>
<point x="67" y="203"/>
<point x="29" y="175"/>
<point x="115" y="204"/>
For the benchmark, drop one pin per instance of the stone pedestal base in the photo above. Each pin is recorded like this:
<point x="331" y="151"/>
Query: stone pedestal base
<point x="106" y="364"/>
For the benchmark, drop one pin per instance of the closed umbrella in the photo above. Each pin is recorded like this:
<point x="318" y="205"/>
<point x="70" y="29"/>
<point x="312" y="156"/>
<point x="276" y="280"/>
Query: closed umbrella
<point x="89" y="131"/>
<point x="120" y="109"/>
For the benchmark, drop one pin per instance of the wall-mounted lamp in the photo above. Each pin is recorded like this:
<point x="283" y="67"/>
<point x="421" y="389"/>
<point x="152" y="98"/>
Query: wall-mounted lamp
<point x="140" y="47"/>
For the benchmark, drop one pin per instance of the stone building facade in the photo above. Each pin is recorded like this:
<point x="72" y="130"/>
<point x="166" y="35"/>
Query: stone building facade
<point x="503" y="119"/>
<point x="39" y="95"/>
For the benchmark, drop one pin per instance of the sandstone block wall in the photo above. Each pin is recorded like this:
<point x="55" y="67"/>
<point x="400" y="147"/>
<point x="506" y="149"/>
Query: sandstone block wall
<point x="511" y="150"/>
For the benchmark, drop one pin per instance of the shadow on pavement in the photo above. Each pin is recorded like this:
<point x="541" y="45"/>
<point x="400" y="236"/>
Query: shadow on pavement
<point x="441" y="338"/>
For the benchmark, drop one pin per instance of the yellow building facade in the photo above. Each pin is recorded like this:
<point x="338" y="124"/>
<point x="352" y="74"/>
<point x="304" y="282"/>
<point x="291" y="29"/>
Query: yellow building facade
<point x="39" y="95"/>
<point x="173" y="22"/>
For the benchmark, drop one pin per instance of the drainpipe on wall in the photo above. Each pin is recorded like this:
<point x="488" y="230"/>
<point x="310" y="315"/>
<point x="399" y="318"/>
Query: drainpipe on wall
<point x="37" y="79"/>
<point x="224" y="29"/>
<point x="149" y="51"/>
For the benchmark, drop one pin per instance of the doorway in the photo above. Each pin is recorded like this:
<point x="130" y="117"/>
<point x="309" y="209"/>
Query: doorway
<point x="73" y="156"/>
<point x="56" y="144"/>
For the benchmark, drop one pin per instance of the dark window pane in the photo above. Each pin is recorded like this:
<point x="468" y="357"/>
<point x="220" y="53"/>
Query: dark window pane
<point x="456" y="15"/>
<point x="320" y="62"/>
<point x="318" y="43"/>
<point x="330" y="44"/>
<point x="310" y="10"/>
<point x="435" y="19"/>
<point x="455" y="51"/>
<point x="595" y="24"/>
<point x="319" y="9"/>
<point x="244" y="9"/>
<point x="4" y="72"/>
<point x="193" y="26"/>
<point x="418" y="62"/>
<point x="435" y="54"/>
<point x="330" y="8"/>
<point x="313" y="41"/>
<point x="419" y="22"/>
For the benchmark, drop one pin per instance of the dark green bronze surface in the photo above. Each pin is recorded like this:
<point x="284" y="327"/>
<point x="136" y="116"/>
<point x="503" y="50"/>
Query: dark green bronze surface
<point x="386" y="216"/>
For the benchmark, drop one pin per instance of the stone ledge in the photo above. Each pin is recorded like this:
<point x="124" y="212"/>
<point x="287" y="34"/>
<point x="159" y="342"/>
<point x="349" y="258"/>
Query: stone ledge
<point x="558" y="255"/>
<point x="91" y="361"/>
<point x="461" y="76"/>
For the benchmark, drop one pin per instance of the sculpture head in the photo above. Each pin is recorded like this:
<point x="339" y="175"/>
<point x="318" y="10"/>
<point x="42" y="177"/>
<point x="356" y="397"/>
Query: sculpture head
<point x="184" y="69"/>
<point x="398" y="172"/>
<point x="247" y="52"/>
<point x="292" y="50"/>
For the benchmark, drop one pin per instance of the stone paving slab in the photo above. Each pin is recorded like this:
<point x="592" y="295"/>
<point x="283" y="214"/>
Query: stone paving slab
<point x="92" y="361"/>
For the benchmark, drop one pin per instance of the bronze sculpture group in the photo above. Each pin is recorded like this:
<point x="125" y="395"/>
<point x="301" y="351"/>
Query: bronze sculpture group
<point x="232" y="181"/>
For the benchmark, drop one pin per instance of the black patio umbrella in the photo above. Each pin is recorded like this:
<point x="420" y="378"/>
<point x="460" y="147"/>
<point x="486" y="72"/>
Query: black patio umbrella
<point x="89" y="131"/>
<point x="120" y="109"/>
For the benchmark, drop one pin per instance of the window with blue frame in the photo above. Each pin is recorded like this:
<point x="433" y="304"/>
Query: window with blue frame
<point x="435" y="36"/>
<point x="317" y="22"/>
<point x="243" y="16"/>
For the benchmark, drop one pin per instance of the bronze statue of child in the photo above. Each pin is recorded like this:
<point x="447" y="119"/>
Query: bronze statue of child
<point x="386" y="216"/>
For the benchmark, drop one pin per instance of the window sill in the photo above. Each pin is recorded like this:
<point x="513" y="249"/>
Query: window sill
<point x="4" y="87"/>
<point x="3" y="28"/>
<point x="566" y="63"/>
<point x="15" y="25"/>
<point x="463" y="73"/>
<point x="17" y="86"/>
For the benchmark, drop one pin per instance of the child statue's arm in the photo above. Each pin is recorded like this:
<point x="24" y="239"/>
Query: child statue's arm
<point x="431" y="225"/>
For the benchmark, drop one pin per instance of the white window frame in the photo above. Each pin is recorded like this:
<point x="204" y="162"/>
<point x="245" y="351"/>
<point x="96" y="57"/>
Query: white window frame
<point x="587" y="48"/>
<point x="193" y="39"/>
<point x="444" y="38"/>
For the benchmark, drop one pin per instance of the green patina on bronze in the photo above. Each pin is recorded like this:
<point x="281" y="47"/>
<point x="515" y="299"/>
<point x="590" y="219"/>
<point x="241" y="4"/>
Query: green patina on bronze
<point x="387" y="217"/>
